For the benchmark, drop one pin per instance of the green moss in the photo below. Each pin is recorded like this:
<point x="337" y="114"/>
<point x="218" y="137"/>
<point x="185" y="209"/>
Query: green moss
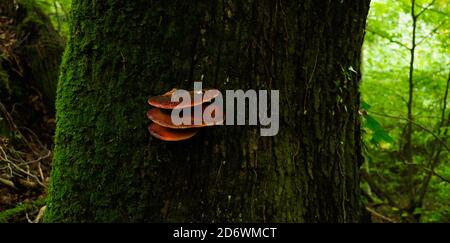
<point x="9" y="215"/>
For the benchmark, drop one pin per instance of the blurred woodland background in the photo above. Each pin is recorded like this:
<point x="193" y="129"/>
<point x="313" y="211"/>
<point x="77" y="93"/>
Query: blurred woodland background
<point x="404" y="107"/>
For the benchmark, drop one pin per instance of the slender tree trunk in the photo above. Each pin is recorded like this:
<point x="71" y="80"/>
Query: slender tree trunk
<point x="108" y="168"/>
<point x="407" y="150"/>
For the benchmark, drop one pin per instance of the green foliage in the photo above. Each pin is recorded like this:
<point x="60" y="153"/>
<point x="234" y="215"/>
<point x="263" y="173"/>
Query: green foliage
<point x="13" y="214"/>
<point x="373" y="128"/>
<point x="58" y="11"/>
<point x="386" y="67"/>
<point x="379" y="134"/>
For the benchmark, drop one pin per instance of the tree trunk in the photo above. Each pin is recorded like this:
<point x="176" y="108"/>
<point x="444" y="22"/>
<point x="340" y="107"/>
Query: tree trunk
<point x="108" y="168"/>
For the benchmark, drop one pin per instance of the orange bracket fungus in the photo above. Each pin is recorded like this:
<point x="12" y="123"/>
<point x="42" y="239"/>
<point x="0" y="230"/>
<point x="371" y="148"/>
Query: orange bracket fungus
<point x="164" y="101"/>
<point x="163" y="118"/>
<point x="168" y="134"/>
<point x="162" y="126"/>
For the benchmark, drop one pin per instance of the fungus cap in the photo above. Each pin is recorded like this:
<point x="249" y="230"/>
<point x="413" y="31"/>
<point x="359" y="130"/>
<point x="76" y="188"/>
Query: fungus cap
<point x="163" y="118"/>
<point x="164" y="101"/>
<point x="167" y="134"/>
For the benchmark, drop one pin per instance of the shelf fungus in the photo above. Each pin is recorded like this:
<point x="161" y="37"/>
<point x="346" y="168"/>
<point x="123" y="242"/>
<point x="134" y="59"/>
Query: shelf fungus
<point x="165" y="101"/>
<point x="168" y="134"/>
<point x="165" y="115"/>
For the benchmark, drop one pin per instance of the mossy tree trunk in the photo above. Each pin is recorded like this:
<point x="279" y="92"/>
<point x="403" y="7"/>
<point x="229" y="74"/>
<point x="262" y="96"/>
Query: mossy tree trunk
<point x="108" y="168"/>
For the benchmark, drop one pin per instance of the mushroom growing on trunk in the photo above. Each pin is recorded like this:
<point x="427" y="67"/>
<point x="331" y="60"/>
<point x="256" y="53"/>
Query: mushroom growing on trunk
<point x="163" y="118"/>
<point x="168" y="134"/>
<point x="164" y="101"/>
<point x="162" y="126"/>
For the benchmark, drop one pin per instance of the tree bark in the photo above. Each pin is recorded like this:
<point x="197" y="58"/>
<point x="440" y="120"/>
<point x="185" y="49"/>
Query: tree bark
<point x="108" y="168"/>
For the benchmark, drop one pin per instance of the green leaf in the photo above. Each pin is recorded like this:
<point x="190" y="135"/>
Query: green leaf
<point x="379" y="134"/>
<point x="418" y="211"/>
<point x="364" y="105"/>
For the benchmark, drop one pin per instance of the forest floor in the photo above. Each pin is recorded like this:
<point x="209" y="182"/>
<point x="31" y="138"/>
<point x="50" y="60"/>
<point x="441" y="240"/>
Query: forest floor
<point x="25" y="164"/>
<point x="26" y="123"/>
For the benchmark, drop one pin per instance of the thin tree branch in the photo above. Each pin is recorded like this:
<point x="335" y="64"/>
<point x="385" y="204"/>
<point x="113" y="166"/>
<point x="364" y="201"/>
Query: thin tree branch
<point x="430" y="171"/>
<point x="431" y="33"/>
<point x="416" y="124"/>
<point x="425" y="8"/>
<point x="376" y="189"/>
<point x="432" y="10"/>
<point x="390" y="39"/>
<point x="372" y="211"/>
<point x="439" y="12"/>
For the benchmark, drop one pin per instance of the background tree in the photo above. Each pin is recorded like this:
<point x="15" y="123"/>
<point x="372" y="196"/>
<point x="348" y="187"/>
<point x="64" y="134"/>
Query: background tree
<point x="30" y="54"/>
<point x="107" y="167"/>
